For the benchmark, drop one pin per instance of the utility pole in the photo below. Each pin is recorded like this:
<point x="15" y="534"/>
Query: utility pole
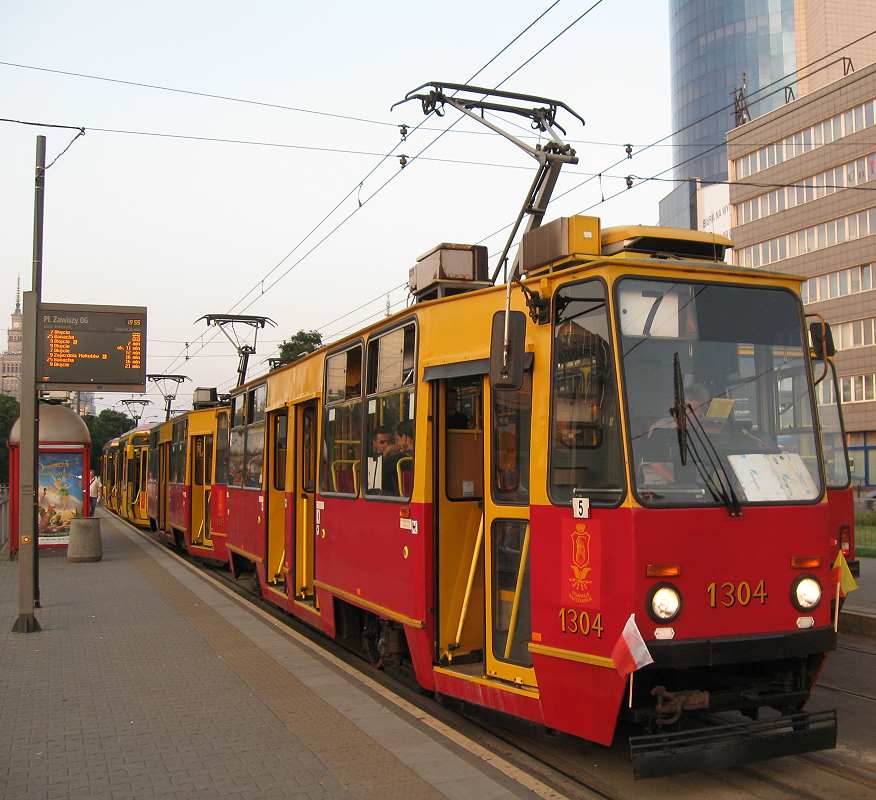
<point x="28" y="544"/>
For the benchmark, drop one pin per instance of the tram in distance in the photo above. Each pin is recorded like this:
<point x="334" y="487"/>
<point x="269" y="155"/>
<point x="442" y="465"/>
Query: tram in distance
<point x="658" y="452"/>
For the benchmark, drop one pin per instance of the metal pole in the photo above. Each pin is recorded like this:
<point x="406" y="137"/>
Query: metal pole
<point x="28" y="596"/>
<point x="27" y="621"/>
<point x="39" y="198"/>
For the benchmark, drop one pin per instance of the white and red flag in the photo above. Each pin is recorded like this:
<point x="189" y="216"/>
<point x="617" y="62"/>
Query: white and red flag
<point x="630" y="652"/>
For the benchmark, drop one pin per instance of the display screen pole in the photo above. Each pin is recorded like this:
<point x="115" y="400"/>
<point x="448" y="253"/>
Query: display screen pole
<point x="28" y="566"/>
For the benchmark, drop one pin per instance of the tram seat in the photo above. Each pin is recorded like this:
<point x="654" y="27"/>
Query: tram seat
<point x="405" y="475"/>
<point x="344" y="476"/>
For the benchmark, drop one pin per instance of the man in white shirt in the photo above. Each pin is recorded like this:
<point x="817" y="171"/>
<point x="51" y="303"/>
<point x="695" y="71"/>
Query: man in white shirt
<point x="93" y="493"/>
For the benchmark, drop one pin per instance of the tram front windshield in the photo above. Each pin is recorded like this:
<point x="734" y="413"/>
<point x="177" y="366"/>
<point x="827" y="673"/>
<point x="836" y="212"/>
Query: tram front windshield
<point x="718" y="394"/>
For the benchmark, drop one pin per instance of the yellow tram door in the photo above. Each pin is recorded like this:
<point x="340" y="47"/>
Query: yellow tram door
<point x="202" y="469"/>
<point x="132" y="484"/>
<point x="163" y="484"/>
<point x="458" y="496"/>
<point x="276" y="569"/>
<point x="507" y="534"/>
<point x="305" y="499"/>
<point x="141" y="492"/>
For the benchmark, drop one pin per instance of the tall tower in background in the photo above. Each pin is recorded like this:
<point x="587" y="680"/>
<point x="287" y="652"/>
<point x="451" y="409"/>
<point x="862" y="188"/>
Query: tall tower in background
<point x="10" y="359"/>
<point x="713" y="42"/>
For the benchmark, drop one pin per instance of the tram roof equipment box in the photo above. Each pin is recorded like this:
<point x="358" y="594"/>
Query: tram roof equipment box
<point x="449" y="269"/>
<point x="558" y="239"/>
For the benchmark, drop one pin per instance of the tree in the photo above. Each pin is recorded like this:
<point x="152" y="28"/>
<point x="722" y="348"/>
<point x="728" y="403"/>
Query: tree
<point x="300" y="344"/>
<point x="104" y="427"/>
<point x="9" y="411"/>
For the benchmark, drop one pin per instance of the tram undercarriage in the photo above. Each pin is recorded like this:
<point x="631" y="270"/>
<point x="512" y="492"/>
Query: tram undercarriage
<point x="688" y="711"/>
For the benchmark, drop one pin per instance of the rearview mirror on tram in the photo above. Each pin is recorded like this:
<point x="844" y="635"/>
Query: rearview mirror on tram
<point x="822" y="339"/>
<point x="506" y="371"/>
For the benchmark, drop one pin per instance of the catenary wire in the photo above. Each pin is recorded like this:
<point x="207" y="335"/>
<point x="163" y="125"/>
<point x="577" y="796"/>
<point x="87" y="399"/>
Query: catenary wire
<point x="657" y="176"/>
<point x="395" y="175"/>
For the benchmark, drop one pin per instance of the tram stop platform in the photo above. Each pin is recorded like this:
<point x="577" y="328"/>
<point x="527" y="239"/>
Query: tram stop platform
<point x="150" y="681"/>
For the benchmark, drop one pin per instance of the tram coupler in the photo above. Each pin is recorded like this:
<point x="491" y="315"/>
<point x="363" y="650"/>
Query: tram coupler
<point x="725" y="745"/>
<point x="670" y="705"/>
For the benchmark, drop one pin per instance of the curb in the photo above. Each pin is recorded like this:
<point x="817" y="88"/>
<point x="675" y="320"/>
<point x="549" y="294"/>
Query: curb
<point x="858" y="622"/>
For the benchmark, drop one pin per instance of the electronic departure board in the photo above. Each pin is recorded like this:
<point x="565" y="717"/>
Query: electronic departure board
<point x="86" y="347"/>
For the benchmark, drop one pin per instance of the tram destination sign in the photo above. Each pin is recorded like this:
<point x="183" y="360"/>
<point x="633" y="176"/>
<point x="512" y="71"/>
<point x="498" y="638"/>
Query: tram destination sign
<point x="88" y="347"/>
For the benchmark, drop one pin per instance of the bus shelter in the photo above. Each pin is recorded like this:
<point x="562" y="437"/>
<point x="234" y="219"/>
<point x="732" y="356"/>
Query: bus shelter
<point x="63" y="475"/>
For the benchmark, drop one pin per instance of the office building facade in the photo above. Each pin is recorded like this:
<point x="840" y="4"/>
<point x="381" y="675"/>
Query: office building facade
<point x="803" y="201"/>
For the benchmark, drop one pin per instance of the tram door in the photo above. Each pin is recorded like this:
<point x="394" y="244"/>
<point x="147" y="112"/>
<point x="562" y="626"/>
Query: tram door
<point x="305" y="499"/>
<point x="458" y="495"/>
<point x="144" y="455"/>
<point x="276" y="569"/>
<point x="507" y="534"/>
<point x="163" y="488"/>
<point x="202" y="483"/>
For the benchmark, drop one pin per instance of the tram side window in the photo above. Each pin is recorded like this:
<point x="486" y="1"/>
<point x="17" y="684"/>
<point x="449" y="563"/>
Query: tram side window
<point x="836" y="463"/>
<point x="153" y="455"/>
<point x="389" y="421"/>
<point x="236" y="439"/>
<point x="222" y="448"/>
<point x="281" y="434"/>
<point x="464" y="438"/>
<point x="208" y="460"/>
<point x="511" y="432"/>
<point x="254" y="447"/>
<point x="586" y="449"/>
<point x="512" y="623"/>
<point x="342" y="427"/>
<point x="198" y="461"/>
<point x="178" y="452"/>
<point x="133" y="473"/>
<point x="308" y="445"/>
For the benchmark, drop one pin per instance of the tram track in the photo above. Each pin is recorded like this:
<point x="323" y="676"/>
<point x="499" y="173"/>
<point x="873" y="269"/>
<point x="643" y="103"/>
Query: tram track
<point x="859" y="650"/>
<point x="849" y="692"/>
<point x="523" y="750"/>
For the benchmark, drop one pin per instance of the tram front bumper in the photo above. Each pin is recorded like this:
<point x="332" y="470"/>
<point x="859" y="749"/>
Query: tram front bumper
<point x="725" y="745"/>
<point x="684" y="654"/>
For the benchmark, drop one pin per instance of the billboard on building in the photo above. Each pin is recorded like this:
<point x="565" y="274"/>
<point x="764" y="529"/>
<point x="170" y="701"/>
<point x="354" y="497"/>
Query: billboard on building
<point x="713" y="212"/>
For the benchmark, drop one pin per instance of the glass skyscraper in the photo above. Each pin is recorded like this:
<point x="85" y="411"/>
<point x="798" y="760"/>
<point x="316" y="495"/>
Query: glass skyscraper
<point x="713" y="43"/>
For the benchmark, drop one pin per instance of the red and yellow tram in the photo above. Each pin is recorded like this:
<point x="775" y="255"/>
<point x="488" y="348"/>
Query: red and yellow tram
<point x="660" y="454"/>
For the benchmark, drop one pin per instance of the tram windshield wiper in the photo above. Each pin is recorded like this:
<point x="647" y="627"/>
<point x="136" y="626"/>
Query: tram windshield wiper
<point x="699" y="447"/>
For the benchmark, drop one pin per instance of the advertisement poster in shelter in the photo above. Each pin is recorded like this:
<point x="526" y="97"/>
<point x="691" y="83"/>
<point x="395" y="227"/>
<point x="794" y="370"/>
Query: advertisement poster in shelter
<point x="60" y="495"/>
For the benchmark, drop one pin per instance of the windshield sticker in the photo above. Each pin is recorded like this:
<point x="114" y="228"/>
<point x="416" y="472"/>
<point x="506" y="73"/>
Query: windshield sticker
<point x="773" y="476"/>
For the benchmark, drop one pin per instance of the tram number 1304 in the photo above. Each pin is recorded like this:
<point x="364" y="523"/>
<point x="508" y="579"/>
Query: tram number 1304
<point x="573" y="620"/>
<point x="729" y="594"/>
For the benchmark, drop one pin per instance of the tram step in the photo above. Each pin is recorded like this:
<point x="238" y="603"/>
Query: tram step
<point x="722" y="746"/>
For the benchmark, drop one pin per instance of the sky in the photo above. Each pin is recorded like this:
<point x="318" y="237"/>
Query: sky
<point x="189" y="227"/>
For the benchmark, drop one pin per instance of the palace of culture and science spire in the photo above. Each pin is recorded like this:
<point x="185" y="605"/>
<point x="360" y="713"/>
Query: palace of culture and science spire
<point x="10" y="359"/>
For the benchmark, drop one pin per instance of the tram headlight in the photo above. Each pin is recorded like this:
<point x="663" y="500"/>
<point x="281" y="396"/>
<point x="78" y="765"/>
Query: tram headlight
<point x="664" y="602"/>
<point x="806" y="593"/>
